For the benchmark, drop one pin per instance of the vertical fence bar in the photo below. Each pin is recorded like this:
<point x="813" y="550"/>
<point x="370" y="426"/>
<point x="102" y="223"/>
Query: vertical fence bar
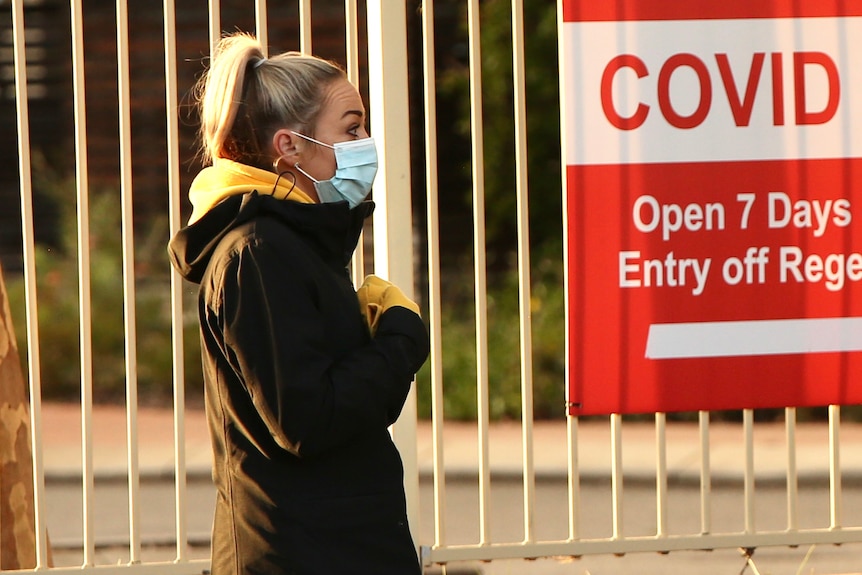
<point x="573" y="465"/>
<point x="261" y="29"/>
<point x="792" y="472"/>
<point x="214" y="15"/>
<point x="434" y="305"/>
<point x="393" y="220"/>
<point x="84" y="291"/>
<point x="477" y="143"/>
<point x="661" y="474"/>
<point x="305" y="26"/>
<point x="748" y="431"/>
<point x="521" y="190"/>
<point x="351" y="41"/>
<point x="573" y="483"/>
<point x="125" y="133"/>
<point x="616" y="423"/>
<point x="705" y="474"/>
<point x="31" y="303"/>
<point x="177" y="346"/>
<point x="834" y="467"/>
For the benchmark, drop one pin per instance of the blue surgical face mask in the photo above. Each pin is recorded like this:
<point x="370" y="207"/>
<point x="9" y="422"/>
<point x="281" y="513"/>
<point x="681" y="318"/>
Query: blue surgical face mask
<point x="355" y="168"/>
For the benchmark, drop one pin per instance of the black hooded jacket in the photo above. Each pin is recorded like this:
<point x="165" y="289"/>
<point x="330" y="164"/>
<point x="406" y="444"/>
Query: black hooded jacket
<point x="298" y="394"/>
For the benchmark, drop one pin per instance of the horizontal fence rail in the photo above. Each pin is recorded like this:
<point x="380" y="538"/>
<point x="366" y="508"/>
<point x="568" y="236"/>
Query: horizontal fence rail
<point x="667" y="536"/>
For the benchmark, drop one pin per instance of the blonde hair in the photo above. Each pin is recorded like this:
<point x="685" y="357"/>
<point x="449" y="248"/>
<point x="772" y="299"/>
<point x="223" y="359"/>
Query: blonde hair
<point x="243" y="98"/>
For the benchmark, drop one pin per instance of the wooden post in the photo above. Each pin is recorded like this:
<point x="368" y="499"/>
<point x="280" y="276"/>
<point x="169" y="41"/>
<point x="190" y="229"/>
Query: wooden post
<point x="17" y="529"/>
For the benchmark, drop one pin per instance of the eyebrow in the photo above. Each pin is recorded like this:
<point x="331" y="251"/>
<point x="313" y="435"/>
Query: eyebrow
<point x="359" y="113"/>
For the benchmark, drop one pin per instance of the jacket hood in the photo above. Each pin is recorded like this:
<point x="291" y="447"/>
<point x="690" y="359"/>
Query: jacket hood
<point x="332" y="229"/>
<point x="227" y="178"/>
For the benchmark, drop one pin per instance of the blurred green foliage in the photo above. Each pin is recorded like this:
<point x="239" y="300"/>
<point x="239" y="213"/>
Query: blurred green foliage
<point x="541" y="136"/>
<point x="545" y="365"/>
<point x="57" y="289"/>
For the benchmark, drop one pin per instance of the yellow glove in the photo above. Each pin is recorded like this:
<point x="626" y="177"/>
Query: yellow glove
<point x="370" y="293"/>
<point x="377" y="295"/>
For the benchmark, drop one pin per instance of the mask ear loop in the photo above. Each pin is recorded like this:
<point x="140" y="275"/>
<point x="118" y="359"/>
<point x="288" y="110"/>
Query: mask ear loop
<point x="280" y="174"/>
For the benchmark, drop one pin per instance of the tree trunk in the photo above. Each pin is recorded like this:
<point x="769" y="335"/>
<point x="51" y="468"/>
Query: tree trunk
<point x="17" y="529"/>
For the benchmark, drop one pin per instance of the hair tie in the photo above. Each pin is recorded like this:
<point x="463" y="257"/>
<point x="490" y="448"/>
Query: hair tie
<point x="258" y="63"/>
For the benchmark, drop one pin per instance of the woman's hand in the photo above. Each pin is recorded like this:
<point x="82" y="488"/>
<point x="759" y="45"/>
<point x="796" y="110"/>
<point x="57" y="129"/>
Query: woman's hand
<point x="376" y="296"/>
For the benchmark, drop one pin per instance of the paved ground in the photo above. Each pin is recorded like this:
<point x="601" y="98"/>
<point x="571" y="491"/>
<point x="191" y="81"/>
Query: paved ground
<point x="62" y="440"/>
<point x="62" y="460"/>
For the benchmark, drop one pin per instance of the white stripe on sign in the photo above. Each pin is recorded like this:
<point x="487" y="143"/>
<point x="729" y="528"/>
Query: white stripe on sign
<point x="712" y="90"/>
<point x="767" y="337"/>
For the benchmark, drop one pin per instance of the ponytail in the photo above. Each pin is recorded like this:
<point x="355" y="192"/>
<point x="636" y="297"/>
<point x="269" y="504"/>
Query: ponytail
<point x="244" y="98"/>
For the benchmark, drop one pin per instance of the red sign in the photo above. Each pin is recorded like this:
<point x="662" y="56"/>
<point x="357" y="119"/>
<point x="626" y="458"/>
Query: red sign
<point x="714" y="204"/>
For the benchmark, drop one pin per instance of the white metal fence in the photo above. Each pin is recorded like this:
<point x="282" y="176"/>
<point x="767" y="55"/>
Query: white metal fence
<point x="388" y="71"/>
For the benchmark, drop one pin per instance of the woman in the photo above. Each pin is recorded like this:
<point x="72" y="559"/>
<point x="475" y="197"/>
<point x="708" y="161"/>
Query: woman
<point x="303" y="375"/>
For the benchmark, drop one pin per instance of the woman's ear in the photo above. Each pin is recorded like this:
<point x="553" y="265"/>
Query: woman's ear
<point x="284" y="146"/>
